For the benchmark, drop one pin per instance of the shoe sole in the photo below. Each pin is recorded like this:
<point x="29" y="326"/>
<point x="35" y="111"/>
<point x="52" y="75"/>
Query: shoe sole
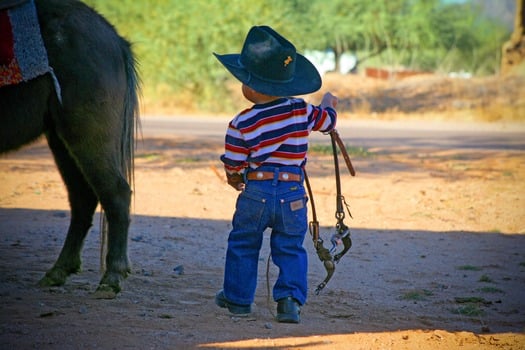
<point x="288" y="318"/>
<point x="234" y="309"/>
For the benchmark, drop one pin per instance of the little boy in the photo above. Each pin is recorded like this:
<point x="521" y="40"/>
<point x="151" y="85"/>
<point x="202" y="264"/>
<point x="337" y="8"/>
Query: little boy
<point x="265" y="152"/>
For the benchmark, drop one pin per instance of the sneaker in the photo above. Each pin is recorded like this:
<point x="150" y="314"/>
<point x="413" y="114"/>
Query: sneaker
<point x="288" y="310"/>
<point x="236" y="309"/>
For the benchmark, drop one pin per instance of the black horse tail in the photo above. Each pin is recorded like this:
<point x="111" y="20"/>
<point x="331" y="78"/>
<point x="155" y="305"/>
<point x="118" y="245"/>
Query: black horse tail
<point x="131" y="123"/>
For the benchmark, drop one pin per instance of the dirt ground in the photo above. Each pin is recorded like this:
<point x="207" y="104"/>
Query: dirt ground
<point x="438" y="256"/>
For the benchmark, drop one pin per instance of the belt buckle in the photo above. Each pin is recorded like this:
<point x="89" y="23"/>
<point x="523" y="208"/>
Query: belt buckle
<point x="259" y="175"/>
<point x="285" y="176"/>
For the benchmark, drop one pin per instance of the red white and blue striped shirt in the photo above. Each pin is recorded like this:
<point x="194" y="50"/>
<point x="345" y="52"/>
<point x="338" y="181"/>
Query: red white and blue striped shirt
<point x="275" y="133"/>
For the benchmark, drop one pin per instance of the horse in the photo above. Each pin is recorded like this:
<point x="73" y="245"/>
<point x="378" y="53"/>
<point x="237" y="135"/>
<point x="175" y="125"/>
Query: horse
<point x="88" y="110"/>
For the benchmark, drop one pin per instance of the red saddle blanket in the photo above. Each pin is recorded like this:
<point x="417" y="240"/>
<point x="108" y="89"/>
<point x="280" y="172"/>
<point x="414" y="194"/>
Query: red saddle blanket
<point x="23" y="55"/>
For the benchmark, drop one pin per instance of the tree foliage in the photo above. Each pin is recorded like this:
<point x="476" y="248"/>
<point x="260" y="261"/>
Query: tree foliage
<point x="174" y="39"/>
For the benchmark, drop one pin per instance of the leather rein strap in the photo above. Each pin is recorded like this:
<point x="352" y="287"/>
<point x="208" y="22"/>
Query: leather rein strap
<point x="335" y="136"/>
<point x="342" y="235"/>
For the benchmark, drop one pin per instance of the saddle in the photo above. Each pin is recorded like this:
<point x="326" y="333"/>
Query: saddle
<point x="22" y="52"/>
<point x="23" y="55"/>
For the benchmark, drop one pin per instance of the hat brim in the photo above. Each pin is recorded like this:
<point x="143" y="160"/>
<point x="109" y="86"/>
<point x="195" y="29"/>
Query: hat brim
<point x="305" y="80"/>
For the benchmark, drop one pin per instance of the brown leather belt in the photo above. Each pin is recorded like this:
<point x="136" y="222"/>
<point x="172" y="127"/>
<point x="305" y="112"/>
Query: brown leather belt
<point x="267" y="175"/>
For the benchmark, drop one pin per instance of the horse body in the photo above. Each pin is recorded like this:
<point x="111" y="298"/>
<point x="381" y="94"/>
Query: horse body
<point x="90" y="131"/>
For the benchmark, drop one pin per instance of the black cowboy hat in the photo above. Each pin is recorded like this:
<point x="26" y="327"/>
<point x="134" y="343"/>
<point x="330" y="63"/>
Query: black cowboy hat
<point x="269" y="64"/>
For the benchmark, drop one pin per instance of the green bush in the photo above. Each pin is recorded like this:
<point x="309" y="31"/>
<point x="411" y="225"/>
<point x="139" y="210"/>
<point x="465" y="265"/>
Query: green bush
<point x="174" y="39"/>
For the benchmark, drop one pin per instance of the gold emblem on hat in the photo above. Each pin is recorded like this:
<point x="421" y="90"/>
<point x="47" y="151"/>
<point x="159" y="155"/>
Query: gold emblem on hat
<point x="287" y="61"/>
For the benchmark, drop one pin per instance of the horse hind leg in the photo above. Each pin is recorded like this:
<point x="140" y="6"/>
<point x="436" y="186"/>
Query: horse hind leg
<point x="83" y="203"/>
<point x="92" y="175"/>
<point x="95" y="156"/>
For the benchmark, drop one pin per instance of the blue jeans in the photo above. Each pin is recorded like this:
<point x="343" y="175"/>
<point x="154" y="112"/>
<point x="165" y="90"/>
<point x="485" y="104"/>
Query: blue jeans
<point x="282" y="207"/>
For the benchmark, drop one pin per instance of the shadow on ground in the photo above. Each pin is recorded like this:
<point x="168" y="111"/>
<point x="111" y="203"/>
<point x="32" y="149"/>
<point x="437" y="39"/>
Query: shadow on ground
<point x="390" y="280"/>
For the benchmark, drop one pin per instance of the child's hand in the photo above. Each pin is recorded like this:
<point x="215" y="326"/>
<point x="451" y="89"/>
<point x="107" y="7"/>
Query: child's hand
<point x="329" y="100"/>
<point x="236" y="181"/>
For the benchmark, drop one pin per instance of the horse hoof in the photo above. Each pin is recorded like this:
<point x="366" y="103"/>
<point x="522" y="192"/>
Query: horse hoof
<point x="48" y="282"/>
<point x="53" y="278"/>
<point x="105" y="291"/>
<point x="109" y="285"/>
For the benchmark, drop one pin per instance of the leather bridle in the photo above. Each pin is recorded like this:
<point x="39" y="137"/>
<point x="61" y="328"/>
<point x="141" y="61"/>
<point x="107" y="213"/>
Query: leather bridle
<point x="342" y="232"/>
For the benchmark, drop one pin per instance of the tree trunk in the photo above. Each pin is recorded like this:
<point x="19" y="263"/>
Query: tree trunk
<point x="513" y="51"/>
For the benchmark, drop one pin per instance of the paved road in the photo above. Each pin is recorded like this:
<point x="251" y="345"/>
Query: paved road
<point x="364" y="133"/>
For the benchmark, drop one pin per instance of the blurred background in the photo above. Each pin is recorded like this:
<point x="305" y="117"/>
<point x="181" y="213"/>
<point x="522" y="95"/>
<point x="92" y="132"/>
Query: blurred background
<point x="390" y="59"/>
